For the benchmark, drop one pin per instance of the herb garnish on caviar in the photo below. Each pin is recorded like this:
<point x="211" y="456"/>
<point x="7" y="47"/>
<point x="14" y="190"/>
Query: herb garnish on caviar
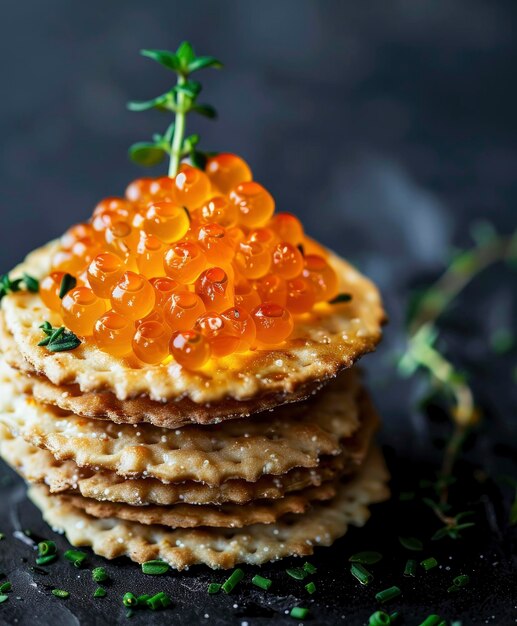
<point x="190" y="266"/>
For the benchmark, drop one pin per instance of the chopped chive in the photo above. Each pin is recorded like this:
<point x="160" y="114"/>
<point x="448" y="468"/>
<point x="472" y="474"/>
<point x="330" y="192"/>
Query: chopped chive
<point x="411" y="543"/>
<point x="432" y="620"/>
<point x="155" y="568"/>
<point x="367" y="558"/>
<point x="361" y="573"/>
<point x="410" y="569"/>
<point x="429" y="563"/>
<point x="60" y="593"/>
<point x="100" y="592"/>
<point x="309" y="568"/>
<point x="299" y="613"/>
<point x="3" y="599"/>
<point x="67" y="282"/>
<point x="46" y="548"/>
<point x="214" y="588"/>
<point x="46" y="560"/>
<point x="76" y="557"/>
<point x="230" y="583"/>
<point x="99" y="574"/>
<point x="129" y="599"/>
<point x="310" y="588"/>
<point x="388" y="594"/>
<point x="2" y="536"/>
<point x="142" y="600"/>
<point x="7" y="586"/>
<point x="453" y="589"/>
<point x="299" y="573"/>
<point x="379" y="618"/>
<point x="159" y="601"/>
<point x="260" y="581"/>
<point x="459" y="581"/>
<point x="394" y="616"/>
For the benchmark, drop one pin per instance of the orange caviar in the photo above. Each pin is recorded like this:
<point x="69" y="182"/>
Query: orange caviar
<point x="168" y="221"/>
<point x="189" y="267"/>
<point x="273" y="323"/>
<point x="226" y="171"/>
<point x="151" y="342"/>
<point x="49" y="290"/>
<point x="323" y="278"/>
<point x="221" y="336"/>
<point x="255" y="204"/>
<point x="182" y="310"/>
<point x="133" y="296"/>
<point x="190" y="349"/>
<point x="80" y="309"/>
<point x="221" y="211"/>
<point x="114" y="333"/>
<point x="104" y="272"/>
<point x="214" y="288"/>
<point x="184" y="262"/>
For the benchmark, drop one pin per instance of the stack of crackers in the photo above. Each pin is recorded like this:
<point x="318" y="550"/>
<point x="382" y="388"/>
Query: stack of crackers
<point x="259" y="456"/>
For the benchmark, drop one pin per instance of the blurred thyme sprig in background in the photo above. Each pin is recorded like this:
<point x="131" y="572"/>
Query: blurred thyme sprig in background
<point x="181" y="99"/>
<point x="422" y="354"/>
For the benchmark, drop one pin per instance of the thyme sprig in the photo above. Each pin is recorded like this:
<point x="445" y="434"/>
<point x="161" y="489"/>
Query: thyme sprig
<point x="422" y="354"/>
<point x="181" y="100"/>
<point x="27" y="282"/>
<point x="58" y="339"/>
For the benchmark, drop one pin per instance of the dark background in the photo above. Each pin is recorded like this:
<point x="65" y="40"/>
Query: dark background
<point x="388" y="127"/>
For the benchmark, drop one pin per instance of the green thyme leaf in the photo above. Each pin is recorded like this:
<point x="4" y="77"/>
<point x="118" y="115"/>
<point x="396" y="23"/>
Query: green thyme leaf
<point x="31" y="283"/>
<point x="200" y="63"/>
<point x="163" y="57"/>
<point x="68" y="282"/>
<point x="341" y="297"/>
<point x="147" y="154"/>
<point x="206" y="110"/>
<point x="367" y="558"/>
<point x="411" y="543"/>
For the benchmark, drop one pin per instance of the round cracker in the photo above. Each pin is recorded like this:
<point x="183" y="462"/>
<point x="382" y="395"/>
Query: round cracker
<point x="222" y="548"/>
<point x="40" y="467"/>
<point x="293" y="436"/>
<point x="323" y="343"/>
<point x="195" y="515"/>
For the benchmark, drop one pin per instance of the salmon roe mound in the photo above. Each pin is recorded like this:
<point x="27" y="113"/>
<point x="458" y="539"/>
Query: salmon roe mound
<point x="188" y="268"/>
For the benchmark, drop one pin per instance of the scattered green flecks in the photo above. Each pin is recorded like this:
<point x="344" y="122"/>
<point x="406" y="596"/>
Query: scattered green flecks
<point x="100" y="592"/>
<point x="298" y="573"/>
<point x="360" y="572"/>
<point x="379" y="618"/>
<point x="5" y="587"/>
<point x="214" y="588"/>
<point x="129" y="599"/>
<point x="433" y="620"/>
<point x="411" y="543"/>
<point x="60" y="593"/>
<point x="99" y="575"/>
<point x="155" y="568"/>
<point x="263" y="583"/>
<point x="429" y="563"/>
<point x="159" y="601"/>
<point x="310" y="588"/>
<point x="230" y="583"/>
<point x="458" y="582"/>
<point x="310" y="568"/>
<point x="76" y="557"/>
<point x="366" y="558"/>
<point x="2" y="536"/>
<point x="388" y="594"/>
<point x="3" y="598"/>
<point x="299" y="612"/>
<point x="410" y="569"/>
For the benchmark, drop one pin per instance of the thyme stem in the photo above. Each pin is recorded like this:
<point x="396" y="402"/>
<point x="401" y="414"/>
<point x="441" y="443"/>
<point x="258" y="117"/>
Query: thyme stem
<point x="179" y="131"/>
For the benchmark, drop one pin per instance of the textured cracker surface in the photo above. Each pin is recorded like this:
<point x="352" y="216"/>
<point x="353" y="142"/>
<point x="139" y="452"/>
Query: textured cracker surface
<point x="271" y="444"/>
<point x="40" y="467"/>
<point x="222" y="548"/>
<point x="331" y="338"/>
<point x="194" y="515"/>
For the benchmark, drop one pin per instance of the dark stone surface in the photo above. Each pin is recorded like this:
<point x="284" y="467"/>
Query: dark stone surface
<point x="389" y="128"/>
